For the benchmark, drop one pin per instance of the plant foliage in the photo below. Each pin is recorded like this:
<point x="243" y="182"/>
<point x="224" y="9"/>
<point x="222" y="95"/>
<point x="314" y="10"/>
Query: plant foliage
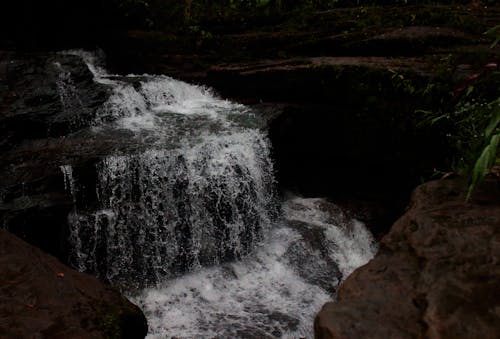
<point x="489" y="150"/>
<point x="473" y="129"/>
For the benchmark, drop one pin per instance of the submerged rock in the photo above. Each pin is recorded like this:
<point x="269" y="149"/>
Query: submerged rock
<point x="310" y="258"/>
<point x="330" y="244"/>
<point x="41" y="297"/>
<point x="436" y="274"/>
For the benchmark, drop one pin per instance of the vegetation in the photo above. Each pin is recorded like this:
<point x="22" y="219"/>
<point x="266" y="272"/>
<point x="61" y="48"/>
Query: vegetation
<point x="159" y="14"/>
<point x="473" y="124"/>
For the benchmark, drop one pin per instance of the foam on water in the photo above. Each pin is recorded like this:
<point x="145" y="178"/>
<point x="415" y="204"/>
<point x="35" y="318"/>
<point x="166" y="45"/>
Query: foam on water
<point x="139" y="102"/>
<point x="260" y="296"/>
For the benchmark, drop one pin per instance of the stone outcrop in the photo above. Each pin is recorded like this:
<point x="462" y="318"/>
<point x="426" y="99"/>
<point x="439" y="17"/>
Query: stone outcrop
<point x="436" y="274"/>
<point x="41" y="297"/>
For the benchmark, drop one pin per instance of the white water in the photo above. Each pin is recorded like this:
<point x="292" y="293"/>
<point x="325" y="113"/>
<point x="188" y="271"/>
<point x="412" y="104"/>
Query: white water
<point x="259" y="296"/>
<point x="263" y="295"/>
<point x="144" y="102"/>
<point x="187" y="221"/>
<point x="176" y="209"/>
<point x="350" y="244"/>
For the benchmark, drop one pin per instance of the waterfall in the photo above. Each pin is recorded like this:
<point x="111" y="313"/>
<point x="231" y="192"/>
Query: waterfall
<point x="184" y="216"/>
<point x="197" y="191"/>
<point x="166" y="211"/>
<point x="70" y="99"/>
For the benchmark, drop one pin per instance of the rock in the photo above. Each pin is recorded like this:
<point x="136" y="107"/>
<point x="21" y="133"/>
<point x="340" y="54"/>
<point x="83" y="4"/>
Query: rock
<point x="436" y="274"/>
<point x="317" y="267"/>
<point x="45" y="95"/>
<point x="47" y="101"/>
<point x="41" y="297"/>
<point x="304" y="79"/>
<point x="410" y="41"/>
<point x="339" y="117"/>
<point x="330" y="244"/>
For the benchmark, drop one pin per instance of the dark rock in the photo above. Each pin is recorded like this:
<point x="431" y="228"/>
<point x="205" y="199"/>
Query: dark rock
<point x="318" y="254"/>
<point x="310" y="258"/>
<point x="314" y="78"/>
<point x="409" y="41"/>
<point x="45" y="95"/>
<point x="436" y="274"/>
<point x="340" y="113"/>
<point x="337" y="148"/>
<point x="45" y="98"/>
<point x="40" y="297"/>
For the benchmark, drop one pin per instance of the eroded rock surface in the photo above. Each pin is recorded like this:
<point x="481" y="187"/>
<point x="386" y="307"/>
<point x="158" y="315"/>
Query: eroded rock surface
<point x="436" y="274"/>
<point x="41" y="297"/>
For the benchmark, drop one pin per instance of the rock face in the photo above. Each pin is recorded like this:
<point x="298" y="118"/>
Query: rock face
<point x="45" y="95"/>
<point x="436" y="274"/>
<point x="41" y="297"/>
<point x="44" y="98"/>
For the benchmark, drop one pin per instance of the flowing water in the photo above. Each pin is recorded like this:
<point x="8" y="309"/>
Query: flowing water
<point x="186" y="219"/>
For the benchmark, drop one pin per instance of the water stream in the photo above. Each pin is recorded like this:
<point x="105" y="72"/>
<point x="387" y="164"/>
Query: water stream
<point x="187" y="221"/>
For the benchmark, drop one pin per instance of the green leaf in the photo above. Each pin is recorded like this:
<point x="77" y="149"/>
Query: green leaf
<point x="436" y="119"/>
<point x="479" y="170"/>
<point x="497" y="40"/>
<point x="493" y="149"/>
<point x="483" y="163"/>
<point x="494" y="122"/>
<point x="493" y="30"/>
<point x="494" y="33"/>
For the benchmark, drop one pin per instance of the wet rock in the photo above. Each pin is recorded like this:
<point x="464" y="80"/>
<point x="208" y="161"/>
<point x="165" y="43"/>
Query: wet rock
<point x="45" y="95"/>
<point x="47" y="101"/>
<point x="436" y="274"/>
<point x="309" y="256"/>
<point x="321" y="253"/>
<point x="40" y="297"/>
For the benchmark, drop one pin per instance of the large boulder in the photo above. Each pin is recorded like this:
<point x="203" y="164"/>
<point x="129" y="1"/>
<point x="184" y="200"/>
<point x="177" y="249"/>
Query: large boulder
<point x="41" y="297"/>
<point x="44" y="99"/>
<point x="436" y="274"/>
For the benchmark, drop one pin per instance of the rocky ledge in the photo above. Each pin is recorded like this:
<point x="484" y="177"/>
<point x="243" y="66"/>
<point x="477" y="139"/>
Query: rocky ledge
<point x="436" y="274"/>
<point x="41" y="297"/>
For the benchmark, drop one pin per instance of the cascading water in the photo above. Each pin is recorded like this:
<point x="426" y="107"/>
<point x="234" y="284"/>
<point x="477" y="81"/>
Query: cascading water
<point x="174" y="210"/>
<point x="69" y="97"/>
<point x="186" y="221"/>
